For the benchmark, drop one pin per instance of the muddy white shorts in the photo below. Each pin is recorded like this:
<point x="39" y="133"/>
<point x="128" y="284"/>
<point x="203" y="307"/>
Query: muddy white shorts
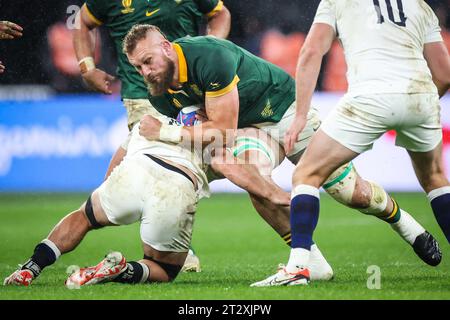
<point x="162" y="200"/>
<point x="357" y="122"/>
<point x="278" y="130"/>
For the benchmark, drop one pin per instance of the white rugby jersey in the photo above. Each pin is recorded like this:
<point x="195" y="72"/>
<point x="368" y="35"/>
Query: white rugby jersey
<point x="172" y="152"/>
<point x="383" y="42"/>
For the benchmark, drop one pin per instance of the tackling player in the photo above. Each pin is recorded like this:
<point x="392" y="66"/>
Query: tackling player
<point x="398" y="67"/>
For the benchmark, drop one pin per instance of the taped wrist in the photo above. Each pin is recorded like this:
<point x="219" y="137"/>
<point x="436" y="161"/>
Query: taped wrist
<point x="86" y="64"/>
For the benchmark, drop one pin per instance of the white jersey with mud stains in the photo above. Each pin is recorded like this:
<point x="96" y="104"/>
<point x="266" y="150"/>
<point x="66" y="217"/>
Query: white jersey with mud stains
<point x="383" y="41"/>
<point x="172" y="152"/>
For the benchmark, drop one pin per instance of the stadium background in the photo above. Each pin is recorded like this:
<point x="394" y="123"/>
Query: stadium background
<point x="56" y="137"/>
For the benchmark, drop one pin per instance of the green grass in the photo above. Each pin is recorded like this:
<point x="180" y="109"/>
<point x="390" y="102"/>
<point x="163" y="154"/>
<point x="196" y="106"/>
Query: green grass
<point x="236" y="248"/>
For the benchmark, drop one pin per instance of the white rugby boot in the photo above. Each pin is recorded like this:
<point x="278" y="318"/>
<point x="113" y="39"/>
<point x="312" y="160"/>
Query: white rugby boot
<point x="319" y="268"/>
<point x="285" y="278"/>
<point x="107" y="270"/>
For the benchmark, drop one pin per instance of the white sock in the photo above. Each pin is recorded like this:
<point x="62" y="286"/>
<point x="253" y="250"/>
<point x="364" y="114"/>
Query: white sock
<point x="438" y="192"/>
<point x="407" y="227"/>
<point x="146" y="272"/>
<point x="298" y="258"/>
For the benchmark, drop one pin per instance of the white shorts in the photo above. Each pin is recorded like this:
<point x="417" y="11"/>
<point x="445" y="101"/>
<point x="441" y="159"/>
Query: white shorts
<point x="162" y="200"/>
<point x="357" y="122"/>
<point x="278" y="130"/>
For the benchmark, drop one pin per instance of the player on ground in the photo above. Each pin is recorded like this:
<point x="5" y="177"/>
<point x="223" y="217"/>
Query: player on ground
<point x="176" y="18"/>
<point x="393" y="58"/>
<point x="239" y="90"/>
<point x="157" y="184"/>
<point x="8" y="31"/>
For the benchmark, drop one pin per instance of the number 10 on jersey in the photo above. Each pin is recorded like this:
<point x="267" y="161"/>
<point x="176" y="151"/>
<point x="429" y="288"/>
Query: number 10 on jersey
<point x="390" y="11"/>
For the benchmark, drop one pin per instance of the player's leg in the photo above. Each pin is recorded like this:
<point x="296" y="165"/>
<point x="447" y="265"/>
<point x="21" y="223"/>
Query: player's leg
<point x="64" y="237"/>
<point x="257" y="149"/>
<point x="347" y="187"/>
<point x="323" y="156"/>
<point x="430" y="172"/>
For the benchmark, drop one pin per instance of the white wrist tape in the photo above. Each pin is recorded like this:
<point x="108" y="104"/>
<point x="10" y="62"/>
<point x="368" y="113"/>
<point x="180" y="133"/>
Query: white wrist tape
<point x="86" y="64"/>
<point x="170" y="133"/>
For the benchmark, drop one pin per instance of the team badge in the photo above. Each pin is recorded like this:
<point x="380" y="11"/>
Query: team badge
<point x="127" y="5"/>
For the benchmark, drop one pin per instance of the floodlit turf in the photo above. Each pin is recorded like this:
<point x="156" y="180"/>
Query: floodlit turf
<point x="236" y="248"/>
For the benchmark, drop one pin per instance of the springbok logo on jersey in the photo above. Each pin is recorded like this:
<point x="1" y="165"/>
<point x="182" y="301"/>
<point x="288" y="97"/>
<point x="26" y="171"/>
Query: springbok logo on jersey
<point x="267" y="112"/>
<point x="127" y="5"/>
<point x="178" y="1"/>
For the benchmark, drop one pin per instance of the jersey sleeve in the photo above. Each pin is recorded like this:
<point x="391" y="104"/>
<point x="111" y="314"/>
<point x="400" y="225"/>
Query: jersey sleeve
<point x="433" y="33"/>
<point x="218" y="73"/>
<point x="209" y="7"/>
<point x="326" y="13"/>
<point x="97" y="10"/>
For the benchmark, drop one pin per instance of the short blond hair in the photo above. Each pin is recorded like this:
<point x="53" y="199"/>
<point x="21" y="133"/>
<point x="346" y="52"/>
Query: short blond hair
<point x="136" y="34"/>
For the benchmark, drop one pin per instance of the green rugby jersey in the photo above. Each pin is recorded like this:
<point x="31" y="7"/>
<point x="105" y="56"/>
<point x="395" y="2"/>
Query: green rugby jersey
<point x="211" y="67"/>
<point x="176" y="18"/>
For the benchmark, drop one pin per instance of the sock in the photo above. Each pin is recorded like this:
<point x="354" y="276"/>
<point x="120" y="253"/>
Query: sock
<point x="407" y="227"/>
<point x="287" y="238"/>
<point x="135" y="272"/>
<point x="45" y="254"/>
<point x="394" y="216"/>
<point x="304" y="215"/>
<point x="440" y="203"/>
<point x="304" y="218"/>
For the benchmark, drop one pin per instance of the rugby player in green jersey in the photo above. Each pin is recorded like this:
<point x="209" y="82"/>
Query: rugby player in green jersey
<point x="239" y="90"/>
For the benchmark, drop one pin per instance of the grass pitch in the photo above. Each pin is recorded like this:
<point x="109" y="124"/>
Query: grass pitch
<point x="236" y="248"/>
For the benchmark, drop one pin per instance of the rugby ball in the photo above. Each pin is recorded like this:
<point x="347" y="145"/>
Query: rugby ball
<point x="186" y="116"/>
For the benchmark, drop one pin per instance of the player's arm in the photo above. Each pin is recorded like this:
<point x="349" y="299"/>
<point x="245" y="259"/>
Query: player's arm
<point x="2" y="67"/>
<point x="219" y="22"/>
<point x="84" y="45"/>
<point x="317" y="44"/>
<point x="438" y="60"/>
<point x="222" y="112"/>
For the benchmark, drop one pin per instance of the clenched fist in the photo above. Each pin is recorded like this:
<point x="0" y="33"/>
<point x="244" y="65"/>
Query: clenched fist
<point x="149" y="127"/>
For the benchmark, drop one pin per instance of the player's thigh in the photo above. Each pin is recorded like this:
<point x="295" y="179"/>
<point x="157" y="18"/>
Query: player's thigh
<point x="357" y="122"/>
<point x="322" y="157"/>
<point x="169" y="212"/>
<point x="254" y="146"/>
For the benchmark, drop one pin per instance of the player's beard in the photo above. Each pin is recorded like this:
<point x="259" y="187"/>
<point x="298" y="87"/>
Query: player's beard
<point x="158" y="88"/>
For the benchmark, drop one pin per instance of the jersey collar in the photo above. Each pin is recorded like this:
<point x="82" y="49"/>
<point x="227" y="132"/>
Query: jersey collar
<point x="182" y="66"/>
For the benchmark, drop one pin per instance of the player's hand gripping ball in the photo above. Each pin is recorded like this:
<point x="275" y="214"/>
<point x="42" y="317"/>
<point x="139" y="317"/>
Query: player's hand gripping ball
<point x="187" y="116"/>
